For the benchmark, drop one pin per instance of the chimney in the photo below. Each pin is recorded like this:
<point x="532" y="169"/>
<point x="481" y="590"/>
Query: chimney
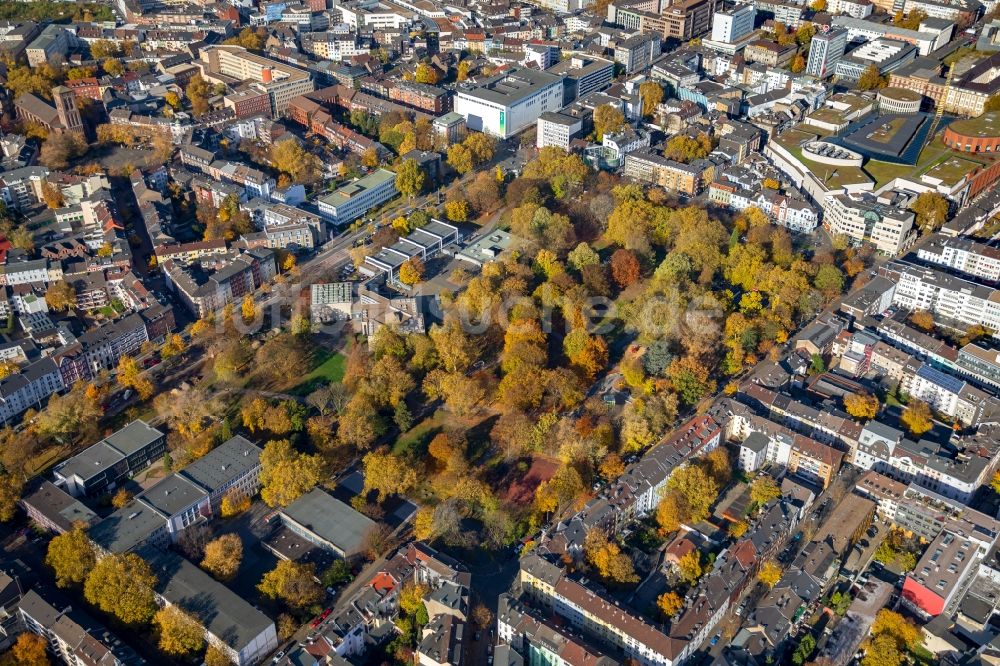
<point x="265" y="75"/>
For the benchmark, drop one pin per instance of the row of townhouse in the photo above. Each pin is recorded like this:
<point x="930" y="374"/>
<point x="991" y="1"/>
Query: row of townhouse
<point x="793" y="214"/>
<point x="952" y="472"/>
<point x="637" y="492"/>
<point x="953" y="300"/>
<point x="552" y="590"/>
<point x="925" y="368"/>
<point x="254" y="181"/>
<point x="102" y="348"/>
<point x="965" y="255"/>
<point x="73" y="635"/>
<point x="767" y="442"/>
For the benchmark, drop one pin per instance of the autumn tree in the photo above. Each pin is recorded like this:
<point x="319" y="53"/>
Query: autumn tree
<point x="770" y="573"/>
<point x="651" y="94"/>
<point x="798" y="63"/>
<point x="30" y="650"/>
<point x="293" y="583"/>
<point x="223" y="556"/>
<point x="607" y="559"/>
<point x="689" y="567"/>
<point x="387" y="474"/>
<point x="290" y="157"/>
<point x="607" y="120"/>
<point x="60" y="148"/>
<point x="670" y="604"/>
<point x="923" y="320"/>
<point x="931" y="209"/>
<point x="60" y="296"/>
<point x="411" y="271"/>
<point x="286" y="473"/>
<point x="426" y="74"/>
<point x="890" y="623"/>
<point x="122" y="584"/>
<point x="130" y="376"/>
<point x="624" y="267"/>
<point x="764" y="489"/>
<point x="686" y="149"/>
<point x="410" y="178"/>
<point x="180" y="633"/>
<point x="871" y="79"/>
<point x="71" y="556"/>
<point x="121" y="498"/>
<point x="861" y="405"/>
<point x="460" y="158"/>
<point x="198" y="92"/>
<point x="216" y="657"/>
<point x="234" y="502"/>
<point x="917" y="418"/>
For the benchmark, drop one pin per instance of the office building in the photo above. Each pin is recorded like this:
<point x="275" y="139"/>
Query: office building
<point x="511" y="102"/>
<point x="825" y="52"/>
<point x="100" y="468"/>
<point x="865" y="220"/>
<point x="354" y="200"/>
<point x="234" y="64"/>
<point x="557" y="129"/>
<point x="733" y="25"/>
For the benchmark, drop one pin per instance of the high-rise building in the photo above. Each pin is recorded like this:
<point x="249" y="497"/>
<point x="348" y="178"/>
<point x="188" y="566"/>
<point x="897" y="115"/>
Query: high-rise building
<point x="734" y="24"/>
<point x="825" y="52"/>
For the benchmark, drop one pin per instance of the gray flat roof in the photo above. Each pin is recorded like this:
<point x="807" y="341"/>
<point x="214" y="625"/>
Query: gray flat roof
<point x="227" y="461"/>
<point x="513" y="86"/>
<point x="173" y="494"/>
<point x="221" y="611"/>
<point x="127" y="528"/>
<point x="59" y="506"/>
<point x="110" y="450"/>
<point x="330" y="519"/>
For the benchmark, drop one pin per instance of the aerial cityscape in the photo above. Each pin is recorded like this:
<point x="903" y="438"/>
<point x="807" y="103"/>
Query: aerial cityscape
<point x="500" y="332"/>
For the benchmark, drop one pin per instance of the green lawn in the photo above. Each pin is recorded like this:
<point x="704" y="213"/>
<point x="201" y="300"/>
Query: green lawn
<point x="413" y="443"/>
<point x="329" y="369"/>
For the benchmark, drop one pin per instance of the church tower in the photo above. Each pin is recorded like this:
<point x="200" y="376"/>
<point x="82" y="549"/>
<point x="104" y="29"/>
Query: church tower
<point x="69" y="115"/>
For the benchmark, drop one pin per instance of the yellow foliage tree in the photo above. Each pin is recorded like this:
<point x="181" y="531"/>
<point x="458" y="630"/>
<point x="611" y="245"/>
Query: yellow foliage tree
<point x="669" y="603"/>
<point x="861" y="405"/>
<point x="179" y="632"/>
<point x="223" y="556"/>
<point x="917" y="418"/>
<point x="770" y="573"/>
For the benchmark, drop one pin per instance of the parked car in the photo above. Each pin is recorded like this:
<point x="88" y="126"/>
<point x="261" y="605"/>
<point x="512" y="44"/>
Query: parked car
<point x="715" y="639"/>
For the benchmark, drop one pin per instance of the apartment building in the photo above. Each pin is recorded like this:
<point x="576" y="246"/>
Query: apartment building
<point x="101" y="467"/>
<point x="234" y="64"/>
<point x="940" y="576"/>
<point x="430" y="99"/>
<point x="556" y="130"/>
<point x="354" y="200"/>
<point x="72" y="635"/>
<point x="865" y="220"/>
<point x="549" y="588"/>
<point x="678" y="19"/>
<point x="948" y="395"/>
<point x="636" y="53"/>
<point x="29" y="388"/>
<point x="649" y="167"/>
<point x="950" y="298"/>
<point x="206" y="288"/>
<point x="508" y="103"/>
<point x="925" y="464"/>
<point x="962" y="254"/>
